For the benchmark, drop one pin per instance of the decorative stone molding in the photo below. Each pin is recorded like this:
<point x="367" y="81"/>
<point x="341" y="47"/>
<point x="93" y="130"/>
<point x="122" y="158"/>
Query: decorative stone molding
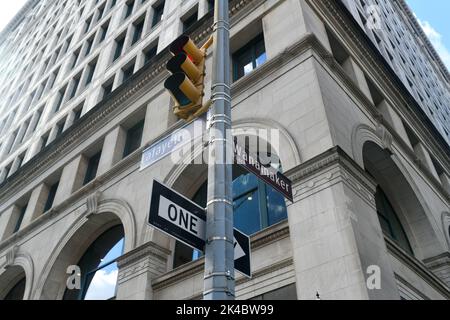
<point x="332" y="165"/>
<point x="118" y="208"/>
<point x="92" y="203"/>
<point x="10" y="257"/>
<point x="385" y="137"/>
<point x="23" y="260"/>
<point x="149" y="258"/>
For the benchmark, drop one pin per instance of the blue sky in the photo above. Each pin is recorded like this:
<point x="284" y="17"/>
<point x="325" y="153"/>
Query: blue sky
<point x="434" y="18"/>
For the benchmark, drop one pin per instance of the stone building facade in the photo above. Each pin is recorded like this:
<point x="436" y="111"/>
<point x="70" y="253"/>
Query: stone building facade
<point x="356" y="92"/>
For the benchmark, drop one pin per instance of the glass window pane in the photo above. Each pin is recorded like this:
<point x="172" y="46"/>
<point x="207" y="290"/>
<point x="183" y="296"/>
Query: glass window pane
<point x="276" y="206"/>
<point x="246" y="213"/>
<point x="102" y="283"/>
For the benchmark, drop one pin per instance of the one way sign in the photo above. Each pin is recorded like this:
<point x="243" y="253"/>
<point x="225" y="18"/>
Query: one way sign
<point x="183" y="219"/>
<point x="242" y="254"/>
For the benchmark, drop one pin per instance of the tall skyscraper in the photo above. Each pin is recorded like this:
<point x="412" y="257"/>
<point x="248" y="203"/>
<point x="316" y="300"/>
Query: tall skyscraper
<point x="353" y="99"/>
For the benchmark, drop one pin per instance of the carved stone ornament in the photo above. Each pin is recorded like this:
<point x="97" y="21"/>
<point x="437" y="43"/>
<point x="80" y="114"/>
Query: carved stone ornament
<point x="92" y="203"/>
<point x="10" y="257"/>
<point x="385" y="137"/>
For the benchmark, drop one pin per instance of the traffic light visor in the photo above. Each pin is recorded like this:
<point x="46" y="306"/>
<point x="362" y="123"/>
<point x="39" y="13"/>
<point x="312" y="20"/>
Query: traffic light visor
<point x="184" y="44"/>
<point x="182" y="89"/>
<point x="181" y="63"/>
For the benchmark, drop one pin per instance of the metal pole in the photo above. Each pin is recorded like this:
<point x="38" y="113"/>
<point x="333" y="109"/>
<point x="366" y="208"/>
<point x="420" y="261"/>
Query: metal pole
<point x="219" y="250"/>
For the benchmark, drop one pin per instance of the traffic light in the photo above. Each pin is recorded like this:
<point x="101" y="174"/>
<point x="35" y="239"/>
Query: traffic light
<point x="186" y="84"/>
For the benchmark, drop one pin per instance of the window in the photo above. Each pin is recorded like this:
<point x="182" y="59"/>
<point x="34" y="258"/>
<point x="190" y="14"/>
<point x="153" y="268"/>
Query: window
<point x="158" y="11"/>
<point x="88" y="24"/>
<point x="100" y="13"/>
<point x="188" y="22"/>
<point x="17" y="292"/>
<point x="390" y="224"/>
<point x="75" y="84"/>
<point x="210" y="5"/>
<point x="103" y="32"/>
<point x="44" y="140"/>
<point x="127" y="72"/>
<point x="60" y="128"/>
<point x="99" y="263"/>
<point x="249" y="58"/>
<point x="134" y="138"/>
<point x="91" y="171"/>
<point x="20" y="218"/>
<point x="138" y="28"/>
<point x="256" y="206"/>
<point x="77" y="113"/>
<point x="90" y="72"/>
<point x="89" y="46"/>
<point x="107" y="89"/>
<point x="60" y="98"/>
<point x="51" y="196"/>
<point x="150" y="53"/>
<point x="75" y="56"/>
<point x="119" y="47"/>
<point x="285" y="293"/>
<point x="129" y="8"/>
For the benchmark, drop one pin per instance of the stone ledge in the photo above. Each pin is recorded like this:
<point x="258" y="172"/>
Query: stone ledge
<point x="265" y="237"/>
<point x="417" y="267"/>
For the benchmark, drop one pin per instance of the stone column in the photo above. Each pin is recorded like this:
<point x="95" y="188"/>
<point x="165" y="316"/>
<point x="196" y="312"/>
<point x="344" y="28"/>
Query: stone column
<point x="36" y="204"/>
<point x="71" y="179"/>
<point x="158" y="118"/>
<point x="335" y="232"/>
<point x="112" y="151"/>
<point x="394" y="120"/>
<point x="34" y="122"/>
<point x="289" y="22"/>
<point x="423" y="154"/>
<point x="138" y="268"/>
<point x="8" y="220"/>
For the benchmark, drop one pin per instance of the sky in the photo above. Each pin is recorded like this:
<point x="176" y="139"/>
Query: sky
<point x="434" y="19"/>
<point x="8" y="9"/>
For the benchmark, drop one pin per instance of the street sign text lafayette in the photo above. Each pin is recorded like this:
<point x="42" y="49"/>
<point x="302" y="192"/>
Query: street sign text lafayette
<point x="181" y="218"/>
<point x="173" y="142"/>
<point x="268" y="174"/>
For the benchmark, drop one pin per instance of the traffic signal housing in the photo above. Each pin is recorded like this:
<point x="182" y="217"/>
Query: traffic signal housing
<point x="186" y="84"/>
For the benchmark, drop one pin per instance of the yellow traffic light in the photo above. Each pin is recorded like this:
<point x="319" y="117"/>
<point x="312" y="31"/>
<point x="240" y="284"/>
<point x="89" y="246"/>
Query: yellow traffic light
<point x="186" y="84"/>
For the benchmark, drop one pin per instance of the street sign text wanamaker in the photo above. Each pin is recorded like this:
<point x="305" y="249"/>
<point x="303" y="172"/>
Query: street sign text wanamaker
<point x="268" y="174"/>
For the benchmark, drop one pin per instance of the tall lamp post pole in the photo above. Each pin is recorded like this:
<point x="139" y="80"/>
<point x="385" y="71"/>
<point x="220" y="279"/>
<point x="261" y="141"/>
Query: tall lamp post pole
<point x="219" y="281"/>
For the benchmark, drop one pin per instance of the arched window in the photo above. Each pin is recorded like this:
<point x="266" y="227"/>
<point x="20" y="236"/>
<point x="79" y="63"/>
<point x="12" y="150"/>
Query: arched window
<point x="256" y="206"/>
<point x="390" y="224"/>
<point x="99" y="267"/>
<point x="17" y="292"/>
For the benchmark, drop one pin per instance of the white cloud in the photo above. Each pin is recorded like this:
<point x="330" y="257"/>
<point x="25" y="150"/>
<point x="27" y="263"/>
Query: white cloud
<point x="103" y="285"/>
<point x="437" y="41"/>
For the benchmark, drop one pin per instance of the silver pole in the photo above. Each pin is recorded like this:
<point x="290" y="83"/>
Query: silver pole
<point x="219" y="250"/>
